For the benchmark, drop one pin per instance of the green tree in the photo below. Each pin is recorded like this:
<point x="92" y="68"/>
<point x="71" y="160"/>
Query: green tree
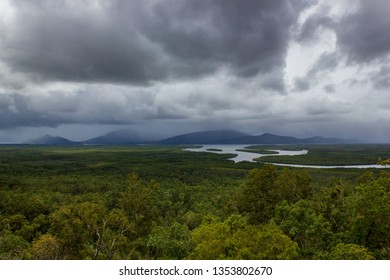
<point x="13" y="247"/>
<point x="292" y="185"/>
<point x="350" y="252"/>
<point x="171" y="242"/>
<point x="384" y="180"/>
<point x="138" y="204"/>
<point x="264" y="189"/>
<point x="256" y="197"/>
<point x="113" y="234"/>
<point x="304" y="226"/>
<point x="74" y="225"/>
<point x="331" y="204"/>
<point x="236" y="239"/>
<point x="366" y="177"/>
<point x="370" y="218"/>
<point x="88" y="231"/>
<point x="47" y="247"/>
<point x="383" y="161"/>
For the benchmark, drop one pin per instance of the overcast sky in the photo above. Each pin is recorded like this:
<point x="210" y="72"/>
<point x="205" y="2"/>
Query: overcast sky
<point x="79" y="68"/>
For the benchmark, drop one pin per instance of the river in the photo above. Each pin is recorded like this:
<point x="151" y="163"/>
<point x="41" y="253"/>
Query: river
<point x="249" y="156"/>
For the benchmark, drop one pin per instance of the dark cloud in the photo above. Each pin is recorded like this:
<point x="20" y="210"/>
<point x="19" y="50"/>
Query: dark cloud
<point x="381" y="78"/>
<point x="273" y="81"/>
<point x="328" y="108"/>
<point x="14" y="112"/>
<point x="364" y="35"/>
<point x="311" y="28"/>
<point x="89" y="106"/>
<point x="360" y="37"/>
<point x="141" y="42"/>
<point x="194" y="64"/>
<point x="64" y="43"/>
<point x="248" y="37"/>
<point x="326" y="62"/>
<point x="362" y="32"/>
<point x="330" y="88"/>
<point x="302" y="83"/>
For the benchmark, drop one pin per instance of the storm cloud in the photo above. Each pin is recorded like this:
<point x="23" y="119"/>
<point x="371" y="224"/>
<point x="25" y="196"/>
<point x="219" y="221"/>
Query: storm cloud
<point x="147" y="41"/>
<point x="278" y="66"/>
<point x="363" y="36"/>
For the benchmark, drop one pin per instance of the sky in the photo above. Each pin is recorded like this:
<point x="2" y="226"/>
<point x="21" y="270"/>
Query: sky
<point x="78" y="69"/>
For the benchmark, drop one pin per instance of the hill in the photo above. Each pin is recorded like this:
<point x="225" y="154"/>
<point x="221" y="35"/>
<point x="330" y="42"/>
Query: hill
<point x="117" y="137"/>
<point x="51" y="140"/>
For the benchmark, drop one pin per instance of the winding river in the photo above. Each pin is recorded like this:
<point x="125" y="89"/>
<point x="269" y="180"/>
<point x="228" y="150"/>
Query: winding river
<point x="249" y="156"/>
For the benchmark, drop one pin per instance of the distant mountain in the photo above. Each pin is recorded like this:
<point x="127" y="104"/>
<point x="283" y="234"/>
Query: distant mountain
<point x="268" y="138"/>
<point x="332" y="140"/>
<point x="117" y="137"/>
<point x="235" y="137"/>
<point x="205" y="137"/>
<point x="127" y="136"/>
<point x="51" y="140"/>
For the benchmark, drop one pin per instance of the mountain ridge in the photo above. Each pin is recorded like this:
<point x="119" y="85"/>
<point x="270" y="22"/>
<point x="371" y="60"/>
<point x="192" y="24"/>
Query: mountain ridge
<point x="128" y="137"/>
<point x="116" y="137"/>
<point x="204" y="137"/>
<point x="265" y="138"/>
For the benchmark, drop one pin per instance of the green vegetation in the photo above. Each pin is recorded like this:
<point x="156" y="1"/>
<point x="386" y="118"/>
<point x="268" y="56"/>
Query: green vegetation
<point x="160" y="202"/>
<point x="329" y="154"/>
<point x="383" y="161"/>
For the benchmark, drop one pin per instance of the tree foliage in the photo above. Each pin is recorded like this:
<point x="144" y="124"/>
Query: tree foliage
<point x="235" y="238"/>
<point x="350" y="252"/>
<point x="170" y="242"/>
<point x="265" y="188"/>
<point x="370" y="218"/>
<point x="310" y="230"/>
<point x="47" y="247"/>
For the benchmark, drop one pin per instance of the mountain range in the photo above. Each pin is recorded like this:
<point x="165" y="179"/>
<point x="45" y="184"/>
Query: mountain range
<point x="128" y="137"/>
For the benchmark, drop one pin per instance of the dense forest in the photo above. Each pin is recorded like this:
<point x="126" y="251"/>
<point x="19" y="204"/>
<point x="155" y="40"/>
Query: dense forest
<point x="160" y="202"/>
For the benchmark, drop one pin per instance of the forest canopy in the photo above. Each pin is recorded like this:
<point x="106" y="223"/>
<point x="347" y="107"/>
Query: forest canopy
<point x="163" y="203"/>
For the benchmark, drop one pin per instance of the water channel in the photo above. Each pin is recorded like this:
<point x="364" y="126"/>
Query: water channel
<point x="250" y="156"/>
